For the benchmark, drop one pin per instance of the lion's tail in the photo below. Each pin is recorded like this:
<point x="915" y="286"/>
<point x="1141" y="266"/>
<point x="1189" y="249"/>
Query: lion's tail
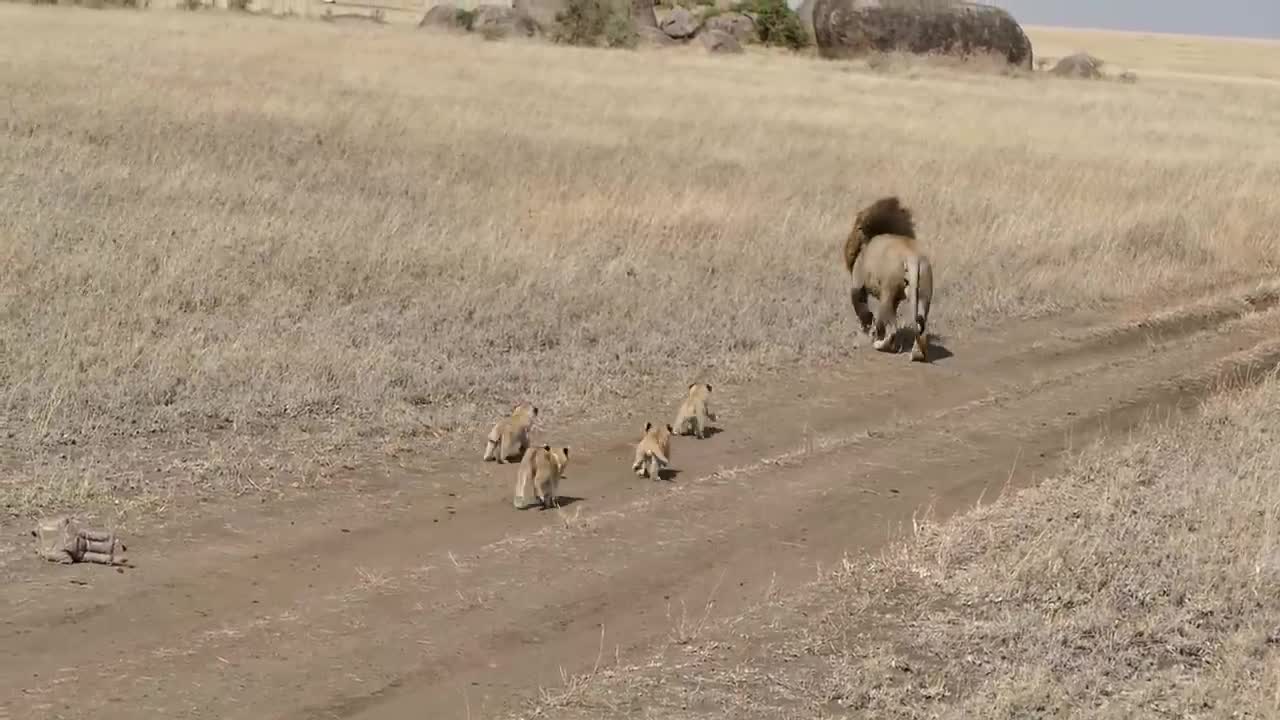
<point x="919" y="271"/>
<point x="852" y="245"/>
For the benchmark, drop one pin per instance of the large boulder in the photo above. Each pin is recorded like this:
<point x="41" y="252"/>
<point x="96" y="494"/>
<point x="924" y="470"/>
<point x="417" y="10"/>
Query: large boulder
<point x="500" y="21"/>
<point x="679" y="24"/>
<point x="852" y="28"/>
<point x="442" y="17"/>
<point x="719" y="41"/>
<point x="543" y="12"/>
<point x="1080" y="65"/>
<point x="741" y="27"/>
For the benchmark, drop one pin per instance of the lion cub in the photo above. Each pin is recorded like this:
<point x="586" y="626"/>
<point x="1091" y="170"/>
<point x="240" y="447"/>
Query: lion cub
<point x="653" y="452"/>
<point x="544" y="466"/>
<point x="694" y="412"/>
<point x="509" y="437"/>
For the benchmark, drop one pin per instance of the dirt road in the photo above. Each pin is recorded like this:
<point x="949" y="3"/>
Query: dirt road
<point x="435" y="598"/>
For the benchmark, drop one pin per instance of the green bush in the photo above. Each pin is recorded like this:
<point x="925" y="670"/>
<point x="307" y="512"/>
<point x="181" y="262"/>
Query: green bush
<point x="620" y="31"/>
<point x="776" y="24"/>
<point x="593" y="22"/>
<point x="465" y="18"/>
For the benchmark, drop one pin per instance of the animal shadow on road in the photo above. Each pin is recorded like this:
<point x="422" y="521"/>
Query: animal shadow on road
<point x="904" y="339"/>
<point x="668" y="474"/>
<point x="563" y="501"/>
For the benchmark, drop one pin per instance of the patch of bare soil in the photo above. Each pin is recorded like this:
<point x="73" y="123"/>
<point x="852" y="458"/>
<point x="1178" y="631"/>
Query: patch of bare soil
<point x="434" y="594"/>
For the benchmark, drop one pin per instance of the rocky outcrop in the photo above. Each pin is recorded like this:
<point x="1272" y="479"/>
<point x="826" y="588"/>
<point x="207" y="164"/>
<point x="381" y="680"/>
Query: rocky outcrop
<point x="500" y="21"/>
<point x="1080" y="65"/>
<point x="741" y="27"/>
<point x="679" y="24"/>
<point x="543" y="12"/>
<point x="442" y="17"/>
<point x="719" y="41"/>
<point x="852" y="28"/>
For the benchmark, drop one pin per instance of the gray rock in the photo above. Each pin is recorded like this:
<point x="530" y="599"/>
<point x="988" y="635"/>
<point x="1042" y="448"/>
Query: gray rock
<point x="679" y="24"/>
<point x="719" y="41"/>
<point x="442" y="17"/>
<point x="1080" y="65"/>
<point x="741" y="27"/>
<point x="543" y="12"/>
<point x="853" y="28"/>
<point x="500" y="21"/>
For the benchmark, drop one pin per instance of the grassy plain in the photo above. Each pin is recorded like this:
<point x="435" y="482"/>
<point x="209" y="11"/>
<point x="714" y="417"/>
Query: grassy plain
<point x="1220" y="59"/>
<point x="230" y="246"/>
<point x="225" y="237"/>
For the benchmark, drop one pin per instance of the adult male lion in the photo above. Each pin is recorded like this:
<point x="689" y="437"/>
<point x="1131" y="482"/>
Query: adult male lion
<point x="883" y="260"/>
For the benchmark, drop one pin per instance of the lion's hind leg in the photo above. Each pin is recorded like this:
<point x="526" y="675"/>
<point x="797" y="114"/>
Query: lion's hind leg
<point x="858" y="296"/>
<point x="638" y="464"/>
<point x="886" y="317"/>
<point x="522" y="485"/>
<point x="655" y="468"/>
<point x="491" y="442"/>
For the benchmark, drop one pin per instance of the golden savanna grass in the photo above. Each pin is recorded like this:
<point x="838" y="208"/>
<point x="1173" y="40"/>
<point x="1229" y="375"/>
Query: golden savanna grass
<point x="219" y="226"/>
<point x="1140" y="583"/>
<point x="1220" y="59"/>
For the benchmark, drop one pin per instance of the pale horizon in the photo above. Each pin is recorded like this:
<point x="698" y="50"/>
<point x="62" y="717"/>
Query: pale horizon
<point x="1232" y="18"/>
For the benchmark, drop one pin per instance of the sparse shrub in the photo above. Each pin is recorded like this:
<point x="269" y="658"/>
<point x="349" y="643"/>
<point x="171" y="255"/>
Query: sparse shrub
<point x="776" y="24"/>
<point x="620" y="31"/>
<point x="239" y="5"/>
<point x="591" y="22"/>
<point x="192" y="4"/>
<point x="466" y="18"/>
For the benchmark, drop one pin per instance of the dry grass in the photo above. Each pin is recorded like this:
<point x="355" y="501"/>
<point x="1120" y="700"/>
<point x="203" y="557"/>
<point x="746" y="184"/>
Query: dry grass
<point x="1140" y="583"/>
<point x="1167" y="55"/>
<point x="285" y="231"/>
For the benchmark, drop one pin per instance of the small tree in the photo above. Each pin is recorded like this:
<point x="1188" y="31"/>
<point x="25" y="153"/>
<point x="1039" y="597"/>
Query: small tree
<point x="776" y="24"/>
<point x="589" y="22"/>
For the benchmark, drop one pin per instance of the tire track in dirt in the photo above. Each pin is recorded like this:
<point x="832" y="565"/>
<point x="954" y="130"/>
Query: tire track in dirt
<point x="399" y="616"/>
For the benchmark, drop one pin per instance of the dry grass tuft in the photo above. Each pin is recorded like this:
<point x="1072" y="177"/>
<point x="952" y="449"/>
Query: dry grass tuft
<point x="218" y="224"/>
<point x="1139" y="583"/>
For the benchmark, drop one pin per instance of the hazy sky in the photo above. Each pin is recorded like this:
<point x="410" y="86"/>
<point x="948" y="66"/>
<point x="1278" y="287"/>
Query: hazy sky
<point x="1253" y="18"/>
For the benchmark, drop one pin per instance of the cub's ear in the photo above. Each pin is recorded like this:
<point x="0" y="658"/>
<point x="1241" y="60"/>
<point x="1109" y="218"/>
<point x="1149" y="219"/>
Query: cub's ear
<point x="547" y="448"/>
<point x="692" y="385"/>
<point x="535" y="409"/>
<point x="566" y="452"/>
<point x="670" y="429"/>
<point x="647" y="425"/>
<point x="708" y="387"/>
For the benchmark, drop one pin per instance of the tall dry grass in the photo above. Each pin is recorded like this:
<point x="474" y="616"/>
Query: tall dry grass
<point x="211" y="221"/>
<point x="1141" y="583"/>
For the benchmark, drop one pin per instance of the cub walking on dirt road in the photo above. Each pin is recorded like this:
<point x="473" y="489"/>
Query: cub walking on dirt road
<point x="544" y="467"/>
<point x="694" y="412"/>
<point x="653" y="452"/>
<point x="883" y="259"/>
<point x="509" y="438"/>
